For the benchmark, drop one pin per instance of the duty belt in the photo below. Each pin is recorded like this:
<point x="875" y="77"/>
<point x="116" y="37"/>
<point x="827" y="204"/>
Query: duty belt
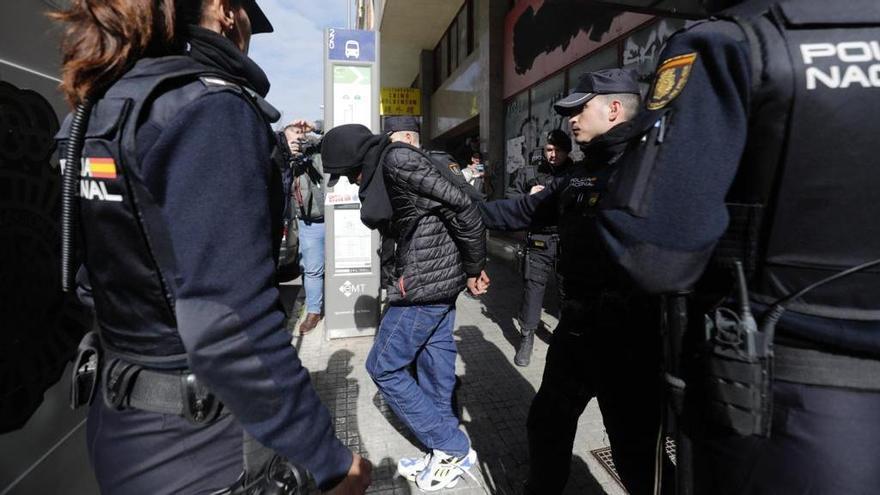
<point x="812" y="367"/>
<point x="129" y="385"/>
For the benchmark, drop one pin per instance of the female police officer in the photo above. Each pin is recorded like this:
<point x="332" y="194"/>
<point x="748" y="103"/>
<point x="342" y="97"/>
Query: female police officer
<point x="177" y="208"/>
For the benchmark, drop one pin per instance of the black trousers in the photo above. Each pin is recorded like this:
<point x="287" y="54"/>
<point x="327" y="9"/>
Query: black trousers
<point x="540" y="263"/>
<point x="611" y="351"/>
<point x="135" y="452"/>
<point x="824" y="440"/>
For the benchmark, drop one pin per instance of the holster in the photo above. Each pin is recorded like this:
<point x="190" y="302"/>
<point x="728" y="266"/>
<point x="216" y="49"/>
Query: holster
<point x="86" y="367"/>
<point x="737" y="367"/>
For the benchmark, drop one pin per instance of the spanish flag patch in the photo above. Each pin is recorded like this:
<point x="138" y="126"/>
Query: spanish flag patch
<point x="100" y="168"/>
<point x="670" y="79"/>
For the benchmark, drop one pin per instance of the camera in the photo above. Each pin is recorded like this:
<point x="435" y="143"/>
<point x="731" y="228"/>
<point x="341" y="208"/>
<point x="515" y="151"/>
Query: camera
<point x="308" y="147"/>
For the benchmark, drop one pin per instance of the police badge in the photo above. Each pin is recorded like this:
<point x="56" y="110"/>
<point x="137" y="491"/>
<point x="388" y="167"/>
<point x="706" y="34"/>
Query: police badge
<point x="671" y="77"/>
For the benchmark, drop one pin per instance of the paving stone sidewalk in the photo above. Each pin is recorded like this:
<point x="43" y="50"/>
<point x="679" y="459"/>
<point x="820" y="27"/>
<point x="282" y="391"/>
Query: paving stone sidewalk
<point x="493" y="398"/>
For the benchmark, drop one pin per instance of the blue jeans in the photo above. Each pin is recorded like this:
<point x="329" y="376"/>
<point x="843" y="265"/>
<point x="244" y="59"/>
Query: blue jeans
<point x="422" y="334"/>
<point x="311" y="261"/>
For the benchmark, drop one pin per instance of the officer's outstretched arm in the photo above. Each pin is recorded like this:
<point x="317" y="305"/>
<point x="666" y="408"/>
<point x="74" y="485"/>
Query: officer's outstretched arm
<point x="210" y="172"/>
<point x="516" y="213"/>
<point x="702" y="88"/>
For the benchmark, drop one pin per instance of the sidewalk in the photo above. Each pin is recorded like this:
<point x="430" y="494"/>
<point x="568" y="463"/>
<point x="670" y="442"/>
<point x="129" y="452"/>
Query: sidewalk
<point x="493" y="398"/>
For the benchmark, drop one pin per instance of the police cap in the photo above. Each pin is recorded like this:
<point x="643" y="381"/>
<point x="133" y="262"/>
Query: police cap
<point x="401" y="123"/>
<point x="259" y="22"/>
<point x="559" y="139"/>
<point x="601" y="82"/>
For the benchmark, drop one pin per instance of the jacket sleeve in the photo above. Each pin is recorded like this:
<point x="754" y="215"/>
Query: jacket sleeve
<point x="516" y="213"/>
<point x="417" y="172"/>
<point x="209" y="172"/>
<point x="666" y="248"/>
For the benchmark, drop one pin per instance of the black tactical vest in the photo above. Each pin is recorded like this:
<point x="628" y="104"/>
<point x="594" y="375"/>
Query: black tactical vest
<point x="125" y="245"/>
<point x="583" y="261"/>
<point x="805" y="203"/>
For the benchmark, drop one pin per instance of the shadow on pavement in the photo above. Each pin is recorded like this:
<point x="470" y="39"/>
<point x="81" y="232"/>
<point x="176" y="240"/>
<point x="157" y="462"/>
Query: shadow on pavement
<point x="503" y="311"/>
<point x="496" y="398"/>
<point x="339" y="393"/>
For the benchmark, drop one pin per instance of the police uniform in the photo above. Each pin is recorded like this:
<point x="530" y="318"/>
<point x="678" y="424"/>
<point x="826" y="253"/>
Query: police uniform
<point x="191" y="346"/>
<point x="746" y="155"/>
<point x="607" y="342"/>
<point x="541" y="247"/>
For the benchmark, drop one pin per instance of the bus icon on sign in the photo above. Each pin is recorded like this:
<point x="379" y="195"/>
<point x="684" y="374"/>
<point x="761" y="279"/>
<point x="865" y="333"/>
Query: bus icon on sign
<point x="352" y="49"/>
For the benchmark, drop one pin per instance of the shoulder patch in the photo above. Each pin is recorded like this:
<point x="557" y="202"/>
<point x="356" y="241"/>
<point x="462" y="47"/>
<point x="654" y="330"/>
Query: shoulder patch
<point x="454" y="168"/>
<point x="671" y="77"/>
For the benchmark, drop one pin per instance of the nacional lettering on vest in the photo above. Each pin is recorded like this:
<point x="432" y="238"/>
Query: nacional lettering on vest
<point x="583" y="182"/>
<point x="96" y="168"/>
<point x="858" y="64"/>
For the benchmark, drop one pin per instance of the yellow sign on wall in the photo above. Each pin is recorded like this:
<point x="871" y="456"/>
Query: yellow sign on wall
<point x="401" y="101"/>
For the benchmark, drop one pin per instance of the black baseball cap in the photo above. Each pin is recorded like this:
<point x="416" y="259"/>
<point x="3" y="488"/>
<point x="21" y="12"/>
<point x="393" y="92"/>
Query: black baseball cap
<point x="259" y="22"/>
<point x="601" y="82"/>
<point x="559" y="139"/>
<point x="397" y="123"/>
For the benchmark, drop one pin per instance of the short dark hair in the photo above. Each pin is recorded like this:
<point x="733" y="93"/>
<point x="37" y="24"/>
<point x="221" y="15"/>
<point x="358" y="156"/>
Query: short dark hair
<point x="559" y="139"/>
<point x="631" y="103"/>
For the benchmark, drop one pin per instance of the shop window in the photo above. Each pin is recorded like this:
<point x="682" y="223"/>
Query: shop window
<point x="543" y="115"/>
<point x="453" y="46"/>
<point x="517" y="125"/>
<point x="444" y="58"/>
<point x="464" y="48"/>
<point x="457" y="43"/>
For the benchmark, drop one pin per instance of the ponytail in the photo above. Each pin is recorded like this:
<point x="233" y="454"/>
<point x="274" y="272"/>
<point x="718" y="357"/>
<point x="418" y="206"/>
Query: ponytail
<point x="104" y="38"/>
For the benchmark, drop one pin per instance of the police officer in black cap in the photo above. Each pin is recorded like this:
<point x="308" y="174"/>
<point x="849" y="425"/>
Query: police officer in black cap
<point x="171" y="196"/>
<point x="607" y="343"/>
<point x="542" y="240"/>
<point x="752" y="184"/>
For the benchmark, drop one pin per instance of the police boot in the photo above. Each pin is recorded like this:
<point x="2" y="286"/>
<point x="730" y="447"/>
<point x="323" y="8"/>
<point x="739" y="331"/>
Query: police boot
<point x="524" y="352"/>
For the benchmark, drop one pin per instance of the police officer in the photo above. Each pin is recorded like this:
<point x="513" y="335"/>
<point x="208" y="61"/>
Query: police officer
<point x="542" y="241"/>
<point x="191" y="350"/>
<point x="748" y="155"/>
<point x="607" y="343"/>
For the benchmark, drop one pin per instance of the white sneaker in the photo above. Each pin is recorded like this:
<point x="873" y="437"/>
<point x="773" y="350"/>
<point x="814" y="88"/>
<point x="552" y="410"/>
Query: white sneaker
<point x="444" y="470"/>
<point x="410" y="467"/>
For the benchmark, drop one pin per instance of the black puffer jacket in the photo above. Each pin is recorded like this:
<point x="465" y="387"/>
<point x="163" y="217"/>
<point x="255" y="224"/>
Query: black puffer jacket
<point x="439" y="233"/>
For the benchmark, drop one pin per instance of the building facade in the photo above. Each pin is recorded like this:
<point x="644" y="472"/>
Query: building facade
<point x="490" y="70"/>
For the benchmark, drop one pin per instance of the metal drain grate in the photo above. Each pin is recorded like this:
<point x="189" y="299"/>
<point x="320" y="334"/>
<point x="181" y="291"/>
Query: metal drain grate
<point x="603" y="455"/>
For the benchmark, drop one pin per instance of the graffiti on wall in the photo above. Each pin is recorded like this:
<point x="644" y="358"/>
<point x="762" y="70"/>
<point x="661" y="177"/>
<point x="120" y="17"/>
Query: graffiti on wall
<point x="543" y="36"/>
<point x="554" y="25"/>
<point x="641" y="50"/>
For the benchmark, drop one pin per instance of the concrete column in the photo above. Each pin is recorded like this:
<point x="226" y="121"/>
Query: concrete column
<point x="490" y="31"/>
<point x="426" y="86"/>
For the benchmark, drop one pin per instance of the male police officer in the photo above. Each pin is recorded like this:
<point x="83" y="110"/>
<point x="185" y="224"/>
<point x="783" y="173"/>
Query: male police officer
<point x="604" y="345"/>
<point x="751" y="111"/>
<point x="542" y="241"/>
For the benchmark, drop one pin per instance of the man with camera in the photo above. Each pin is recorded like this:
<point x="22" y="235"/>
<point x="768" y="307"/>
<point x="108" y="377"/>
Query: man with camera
<point x="541" y="245"/>
<point x="307" y="202"/>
